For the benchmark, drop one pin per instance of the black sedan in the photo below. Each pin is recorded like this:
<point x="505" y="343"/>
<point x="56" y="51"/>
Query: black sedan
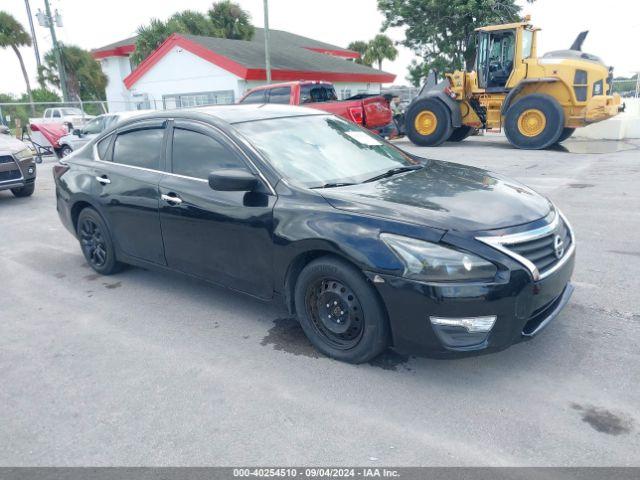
<point x="367" y="245"/>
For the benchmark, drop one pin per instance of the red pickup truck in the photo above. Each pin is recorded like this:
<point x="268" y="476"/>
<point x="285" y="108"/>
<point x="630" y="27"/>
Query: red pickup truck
<point x="371" y="112"/>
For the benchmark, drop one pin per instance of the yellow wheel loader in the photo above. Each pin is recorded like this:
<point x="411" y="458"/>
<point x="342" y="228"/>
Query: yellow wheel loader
<point x="539" y="101"/>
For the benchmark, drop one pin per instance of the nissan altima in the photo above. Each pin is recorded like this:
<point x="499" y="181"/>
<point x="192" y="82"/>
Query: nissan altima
<point x="367" y="245"/>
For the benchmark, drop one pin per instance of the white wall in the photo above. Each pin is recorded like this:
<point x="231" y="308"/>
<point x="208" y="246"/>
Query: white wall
<point x="116" y="69"/>
<point x="180" y="71"/>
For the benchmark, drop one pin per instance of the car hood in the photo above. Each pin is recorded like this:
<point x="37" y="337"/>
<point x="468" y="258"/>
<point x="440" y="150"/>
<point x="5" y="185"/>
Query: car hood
<point x="444" y="195"/>
<point x="10" y="145"/>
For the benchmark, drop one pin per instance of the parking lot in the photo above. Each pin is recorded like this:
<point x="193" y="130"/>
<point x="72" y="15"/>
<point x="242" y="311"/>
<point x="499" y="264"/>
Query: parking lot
<point x="157" y="369"/>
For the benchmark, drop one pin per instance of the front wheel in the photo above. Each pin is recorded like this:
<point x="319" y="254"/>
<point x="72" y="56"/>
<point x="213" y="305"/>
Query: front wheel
<point x="428" y="122"/>
<point x="340" y="311"/>
<point x="25" y="191"/>
<point x="65" y="151"/>
<point x="534" y="122"/>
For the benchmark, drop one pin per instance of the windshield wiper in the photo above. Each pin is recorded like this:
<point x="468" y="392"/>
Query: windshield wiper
<point x="394" y="171"/>
<point x="332" y="185"/>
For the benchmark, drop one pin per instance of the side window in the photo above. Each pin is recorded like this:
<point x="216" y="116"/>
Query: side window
<point x="280" y="95"/>
<point x="305" y="93"/>
<point x="139" y="148"/>
<point x="47" y="113"/>
<point x="103" y="147"/>
<point x="196" y="155"/>
<point x="255" y="97"/>
<point x="56" y="113"/>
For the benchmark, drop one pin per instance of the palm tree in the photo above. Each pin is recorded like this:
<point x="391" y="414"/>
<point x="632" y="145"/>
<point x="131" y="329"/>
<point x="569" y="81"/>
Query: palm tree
<point x="13" y="34"/>
<point x="360" y="47"/>
<point x="379" y="49"/>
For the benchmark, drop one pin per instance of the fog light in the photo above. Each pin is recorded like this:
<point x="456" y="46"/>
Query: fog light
<point x="470" y="324"/>
<point x="30" y="170"/>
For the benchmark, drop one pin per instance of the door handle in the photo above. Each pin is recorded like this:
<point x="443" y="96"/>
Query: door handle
<point x="103" y="180"/>
<point x="171" y="199"/>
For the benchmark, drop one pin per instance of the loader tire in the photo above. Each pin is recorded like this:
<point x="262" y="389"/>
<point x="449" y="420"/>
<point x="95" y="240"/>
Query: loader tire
<point x="566" y="133"/>
<point x="460" y="133"/>
<point x="428" y="122"/>
<point x="534" y="122"/>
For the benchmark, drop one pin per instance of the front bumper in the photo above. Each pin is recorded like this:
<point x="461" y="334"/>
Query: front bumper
<point x="602" y="107"/>
<point x="522" y="306"/>
<point x="16" y="173"/>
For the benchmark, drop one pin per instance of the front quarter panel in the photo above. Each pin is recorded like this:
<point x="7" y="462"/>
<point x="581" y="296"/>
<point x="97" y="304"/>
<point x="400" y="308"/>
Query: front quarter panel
<point x="305" y="222"/>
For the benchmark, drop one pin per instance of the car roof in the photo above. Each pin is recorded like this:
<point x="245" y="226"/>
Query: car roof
<point x="251" y="112"/>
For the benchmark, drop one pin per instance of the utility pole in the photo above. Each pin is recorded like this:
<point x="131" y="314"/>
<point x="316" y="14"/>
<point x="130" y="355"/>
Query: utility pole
<point x="267" y="57"/>
<point x="56" y="50"/>
<point x="33" y="34"/>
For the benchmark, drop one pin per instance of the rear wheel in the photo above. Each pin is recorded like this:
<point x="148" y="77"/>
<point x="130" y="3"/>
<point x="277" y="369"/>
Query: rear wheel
<point x="340" y="311"/>
<point x="460" y="133"/>
<point x="428" y="123"/>
<point x="534" y="122"/>
<point x="566" y="133"/>
<point x="25" y="191"/>
<point x="96" y="243"/>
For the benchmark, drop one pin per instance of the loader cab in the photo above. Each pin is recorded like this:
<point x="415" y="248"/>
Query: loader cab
<point x="495" y="58"/>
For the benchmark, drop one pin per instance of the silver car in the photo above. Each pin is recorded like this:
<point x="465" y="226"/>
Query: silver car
<point x="81" y="136"/>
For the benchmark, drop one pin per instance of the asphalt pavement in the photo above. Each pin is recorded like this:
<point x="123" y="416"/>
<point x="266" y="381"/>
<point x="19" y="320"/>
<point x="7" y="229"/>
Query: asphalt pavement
<point x="148" y="368"/>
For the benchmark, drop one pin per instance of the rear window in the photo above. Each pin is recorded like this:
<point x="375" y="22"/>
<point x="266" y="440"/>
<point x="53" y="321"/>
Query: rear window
<point x="255" y="97"/>
<point x="314" y="93"/>
<point x="139" y="148"/>
<point x="280" y="95"/>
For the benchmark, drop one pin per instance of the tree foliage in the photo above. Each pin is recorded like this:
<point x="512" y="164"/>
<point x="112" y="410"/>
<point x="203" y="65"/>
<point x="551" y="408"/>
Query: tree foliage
<point x="85" y="78"/>
<point x="441" y="32"/>
<point x="379" y="49"/>
<point x="13" y="35"/>
<point x="360" y="46"/>
<point x="374" y="51"/>
<point x="224" y="19"/>
<point x="231" y="21"/>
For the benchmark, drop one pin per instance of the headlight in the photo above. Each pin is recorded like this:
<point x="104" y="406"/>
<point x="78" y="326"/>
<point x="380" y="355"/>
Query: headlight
<point x="23" y="154"/>
<point x="434" y="263"/>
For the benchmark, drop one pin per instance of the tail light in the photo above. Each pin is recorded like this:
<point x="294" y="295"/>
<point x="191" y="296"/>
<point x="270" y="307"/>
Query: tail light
<point x="59" y="169"/>
<point x="357" y="115"/>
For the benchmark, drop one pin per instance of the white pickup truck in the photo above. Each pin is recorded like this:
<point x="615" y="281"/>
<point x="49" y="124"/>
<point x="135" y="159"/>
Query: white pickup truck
<point x="72" y="116"/>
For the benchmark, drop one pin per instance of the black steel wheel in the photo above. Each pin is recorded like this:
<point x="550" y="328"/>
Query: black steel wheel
<point x="336" y="312"/>
<point x="96" y="243"/>
<point x="340" y="311"/>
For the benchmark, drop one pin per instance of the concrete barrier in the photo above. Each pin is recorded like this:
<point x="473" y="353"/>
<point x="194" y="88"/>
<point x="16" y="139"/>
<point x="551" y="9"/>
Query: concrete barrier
<point x="624" y="125"/>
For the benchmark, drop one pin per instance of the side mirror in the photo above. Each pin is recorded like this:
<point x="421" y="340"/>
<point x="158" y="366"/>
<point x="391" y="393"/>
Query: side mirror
<point x="77" y="132"/>
<point x="232" y="180"/>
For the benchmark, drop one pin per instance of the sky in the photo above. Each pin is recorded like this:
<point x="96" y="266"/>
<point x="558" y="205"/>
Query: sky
<point x="614" y="27"/>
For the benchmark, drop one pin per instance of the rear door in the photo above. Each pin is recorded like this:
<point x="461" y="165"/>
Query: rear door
<point x="127" y="188"/>
<point x="223" y="237"/>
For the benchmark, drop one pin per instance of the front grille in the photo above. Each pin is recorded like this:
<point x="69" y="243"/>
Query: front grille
<point x="542" y="251"/>
<point x="10" y="175"/>
<point x="6" y="159"/>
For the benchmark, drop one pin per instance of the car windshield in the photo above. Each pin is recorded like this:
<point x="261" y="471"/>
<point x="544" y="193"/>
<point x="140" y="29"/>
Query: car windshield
<point x="71" y="111"/>
<point x="323" y="150"/>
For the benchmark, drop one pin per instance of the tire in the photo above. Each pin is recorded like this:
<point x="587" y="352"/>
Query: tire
<point x="434" y="120"/>
<point x="566" y="133"/>
<point x="25" y="191"/>
<point x="65" y="151"/>
<point x="460" y="133"/>
<point x="358" y="329"/>
<point x="544" y="127"/>
<point x="96" y="243"/>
